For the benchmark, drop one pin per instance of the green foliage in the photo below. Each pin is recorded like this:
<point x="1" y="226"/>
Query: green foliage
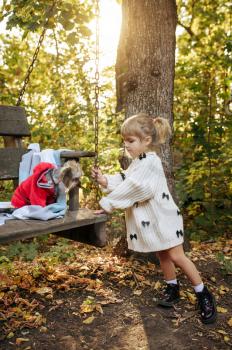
<point x="31" y="16"/>
<point x="6" y="266"/>
<point x="59" y="99"/>
<point x="6" y="189"/>
<point x="24" y="251"/>
<point x="62" y="251"/>
<point x="202" y="123"/>
<point x="226" y="263"/>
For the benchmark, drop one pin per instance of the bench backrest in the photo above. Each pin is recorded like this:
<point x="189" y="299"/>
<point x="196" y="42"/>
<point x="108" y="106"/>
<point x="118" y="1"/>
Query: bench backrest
<point x="13" y="127"/>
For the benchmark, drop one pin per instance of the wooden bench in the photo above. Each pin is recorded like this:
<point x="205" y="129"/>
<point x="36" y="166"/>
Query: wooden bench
<point x="79" y="224"/>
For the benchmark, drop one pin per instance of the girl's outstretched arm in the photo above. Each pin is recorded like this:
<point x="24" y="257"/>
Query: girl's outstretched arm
<point x="107" y="182"/>
<point x="137" y="187"/>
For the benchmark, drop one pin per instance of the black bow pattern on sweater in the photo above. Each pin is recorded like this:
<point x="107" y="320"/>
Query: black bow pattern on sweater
<point x="142" y="155"/>
<point x="179" y="233"/>
<point x="144" y="223"/>
<point x="165" y="195"/>
<point x="136" y="204"/>
<point x="123" y="176"/>
<point x="133" y="236"/>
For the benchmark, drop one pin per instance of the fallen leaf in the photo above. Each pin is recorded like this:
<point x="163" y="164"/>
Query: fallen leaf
<point x="139" y="277"/>
<point x="157" y="285"/>
<point x="75" y="313"/>
<point x="10" y="335"/>
<point x="89" y="320"/>
<point x="137" y="292"/>
<point x="221" y="309"/>
<point x="87" y="308"/>
<point x="230" y="322"/>
<point x="44" y="290"/>
<point x="191" y="297"/>
<point x="223" y="290"/>
<point x="221" y="331"/>
<point x="19" y="341"/>
<point x="99" y="308"/>
<point x="147" y="283"/>
<point x="43" y="329"/>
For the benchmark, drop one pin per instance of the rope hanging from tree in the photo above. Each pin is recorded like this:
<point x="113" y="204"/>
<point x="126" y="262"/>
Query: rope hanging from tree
<point x="97" y="86"/>
<point x="97" y="75"/>
<point x="34" y="58"/>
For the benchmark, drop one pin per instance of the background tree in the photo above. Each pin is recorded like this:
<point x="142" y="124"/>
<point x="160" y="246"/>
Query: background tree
<point x="202" y="118"/>
<point x="145" y="66"/>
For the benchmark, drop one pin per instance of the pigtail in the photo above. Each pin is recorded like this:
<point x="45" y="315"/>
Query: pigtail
<point x="162" y="130"/>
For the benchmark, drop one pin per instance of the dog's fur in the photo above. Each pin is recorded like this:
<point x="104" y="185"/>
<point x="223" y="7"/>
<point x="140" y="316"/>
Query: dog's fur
<point x="69" y="174"/>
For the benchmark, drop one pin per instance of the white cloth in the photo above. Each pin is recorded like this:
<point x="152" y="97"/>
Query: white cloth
<point x="153" y="219"/>
<point x="6" y="205"/>
<point x="4" y="215"/>
<point x="52" y="211"/>
<point x="27" y="163"/>
<point x="34" y="157"/>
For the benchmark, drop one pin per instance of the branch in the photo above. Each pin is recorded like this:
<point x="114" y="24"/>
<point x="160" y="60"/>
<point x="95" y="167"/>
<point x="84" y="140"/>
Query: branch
<point x="57" y="52"/>
<point x="188" y="29"/>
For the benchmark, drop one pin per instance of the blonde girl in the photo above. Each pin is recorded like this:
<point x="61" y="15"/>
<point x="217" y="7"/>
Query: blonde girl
<point x="153" y="220"/>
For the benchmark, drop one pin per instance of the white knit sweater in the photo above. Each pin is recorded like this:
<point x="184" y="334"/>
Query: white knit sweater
<point x="153" y="219"/>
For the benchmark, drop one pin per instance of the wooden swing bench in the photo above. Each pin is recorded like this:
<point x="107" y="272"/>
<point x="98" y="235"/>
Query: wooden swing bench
<point x="79" y="224"/>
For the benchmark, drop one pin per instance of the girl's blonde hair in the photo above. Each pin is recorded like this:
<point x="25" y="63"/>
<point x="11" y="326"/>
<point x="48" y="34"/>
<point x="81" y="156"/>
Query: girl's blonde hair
<point x="142" y="125"/>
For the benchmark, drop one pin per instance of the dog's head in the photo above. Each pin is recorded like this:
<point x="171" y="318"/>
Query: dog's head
<point x="70" y="174"/>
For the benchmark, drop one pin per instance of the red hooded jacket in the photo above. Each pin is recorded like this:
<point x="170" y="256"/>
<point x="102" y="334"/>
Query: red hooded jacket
<point x="29" y="192"/>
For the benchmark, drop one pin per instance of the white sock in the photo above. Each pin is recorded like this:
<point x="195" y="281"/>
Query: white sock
<point x="171" y="281"/>
<point x="199" y="288"/>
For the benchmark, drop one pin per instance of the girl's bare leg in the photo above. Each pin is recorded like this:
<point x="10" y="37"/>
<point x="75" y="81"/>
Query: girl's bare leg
<point x="178" y="257"/>
<point x="167" y="265"/>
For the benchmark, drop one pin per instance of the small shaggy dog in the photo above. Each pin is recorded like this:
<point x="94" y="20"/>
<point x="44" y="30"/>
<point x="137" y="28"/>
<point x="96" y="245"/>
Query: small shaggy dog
<point x="70" y="174"/>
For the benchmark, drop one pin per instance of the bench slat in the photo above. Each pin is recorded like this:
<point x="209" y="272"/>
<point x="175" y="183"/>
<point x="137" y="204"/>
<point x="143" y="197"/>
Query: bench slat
<point x="11" y="157"/>
<point x="76" y="154"/>
<point x="20" y="229"/>
<point x="9" y="162"/>
<point x="13" y="121"/>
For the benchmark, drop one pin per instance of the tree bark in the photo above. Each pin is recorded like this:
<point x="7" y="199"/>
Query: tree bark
<point x="146" y="62"/>
<point x="145" y="65"/>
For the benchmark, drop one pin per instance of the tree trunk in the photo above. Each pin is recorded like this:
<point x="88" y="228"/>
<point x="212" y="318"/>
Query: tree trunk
<point x="145" y="64"/>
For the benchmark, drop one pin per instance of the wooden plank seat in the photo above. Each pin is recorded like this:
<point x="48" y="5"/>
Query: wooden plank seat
<point x="80" y="224"/>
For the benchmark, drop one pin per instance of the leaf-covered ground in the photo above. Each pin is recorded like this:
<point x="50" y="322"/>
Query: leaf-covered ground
<point x="73" y="296"/>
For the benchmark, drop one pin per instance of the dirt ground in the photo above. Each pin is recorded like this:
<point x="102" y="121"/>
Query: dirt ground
<point x="99" y="301"/>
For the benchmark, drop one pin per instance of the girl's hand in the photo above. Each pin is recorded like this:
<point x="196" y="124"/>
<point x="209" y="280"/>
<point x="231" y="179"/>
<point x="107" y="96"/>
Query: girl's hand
<point x="97" y="176"/>
<point x="100" y="211"/>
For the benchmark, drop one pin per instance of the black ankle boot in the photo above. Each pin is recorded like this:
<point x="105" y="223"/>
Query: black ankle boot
<point x="170" y="296"/>
<point x="207" y="306"/>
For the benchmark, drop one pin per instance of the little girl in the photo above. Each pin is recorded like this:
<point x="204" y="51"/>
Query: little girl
<point x="153" y="220"/>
